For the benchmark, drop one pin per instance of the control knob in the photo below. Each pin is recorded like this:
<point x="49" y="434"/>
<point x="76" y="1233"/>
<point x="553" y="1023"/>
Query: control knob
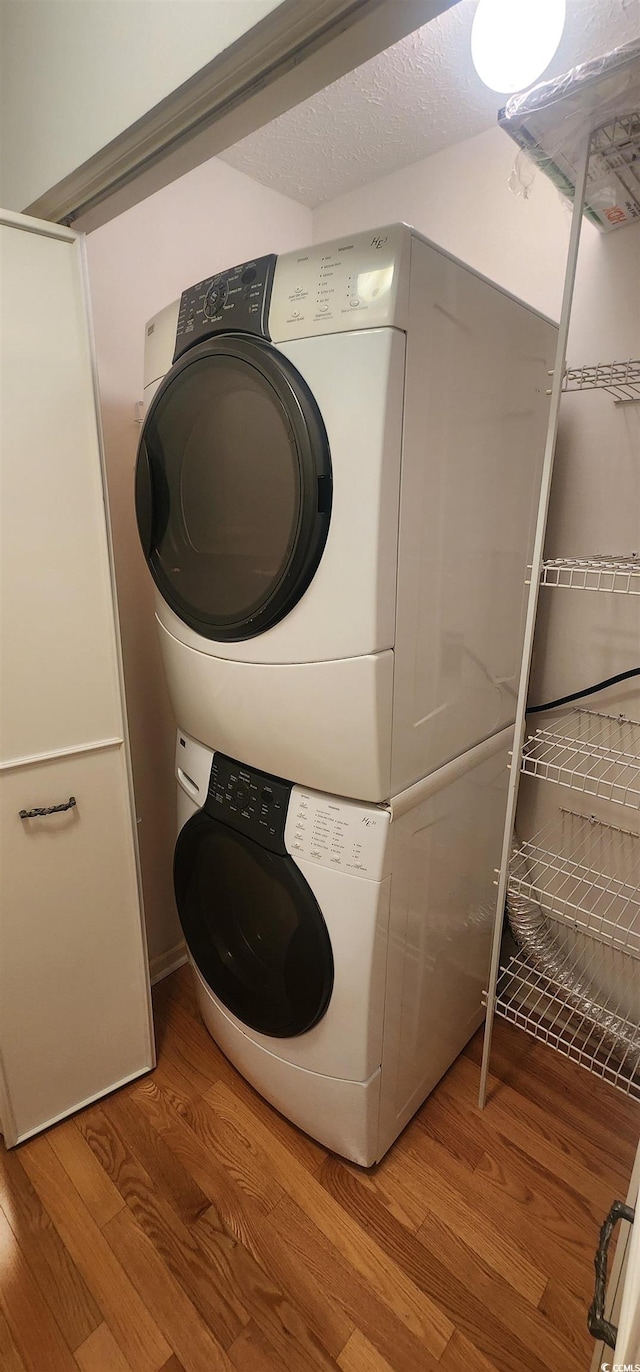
<point x="215" y="297"/>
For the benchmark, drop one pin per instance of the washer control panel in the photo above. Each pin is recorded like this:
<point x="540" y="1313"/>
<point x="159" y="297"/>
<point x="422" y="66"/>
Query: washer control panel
<point x="360" y="282"/>
<point x="234" y="300"/>
<point x="252" y="802"/>
<point x="336" y="833"/>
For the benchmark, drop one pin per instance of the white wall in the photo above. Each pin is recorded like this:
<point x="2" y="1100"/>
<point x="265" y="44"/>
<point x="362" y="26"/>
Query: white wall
<point x="76" y="73"/>
<point x="210" y="219"/>
<point x="460" y="198"/>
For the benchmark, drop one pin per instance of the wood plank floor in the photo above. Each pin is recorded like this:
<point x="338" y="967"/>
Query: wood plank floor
<point x="181" y="1225"/>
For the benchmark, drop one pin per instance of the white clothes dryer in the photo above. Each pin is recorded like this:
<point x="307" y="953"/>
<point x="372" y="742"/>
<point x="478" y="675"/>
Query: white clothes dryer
<point x="336" y="488"/>
<point x="340" y="950"/>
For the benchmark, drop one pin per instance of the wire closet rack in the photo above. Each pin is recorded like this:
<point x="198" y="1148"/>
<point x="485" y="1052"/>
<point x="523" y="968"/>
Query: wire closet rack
<point x="540" y="1006"/>
<point x="575" y="913"/>
<point x="582" y="873"/>
<point x="616" y="146"/>
<point x="620" y="379"/>
<point x="602" y="572"/>
<point x="565" y="966"/>
<point x="586" y="751"/>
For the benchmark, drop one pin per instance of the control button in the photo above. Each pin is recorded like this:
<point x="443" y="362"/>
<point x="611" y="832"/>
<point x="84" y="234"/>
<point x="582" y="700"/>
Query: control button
<point x="266" y="795"/>
<point x="295" y="314"/>
<point x="354" y="302"/>
<point x="249" y="274"/>
<point x="296" y="845"/>
<point x="215" y="298"/>
<point x="323" y="309"/>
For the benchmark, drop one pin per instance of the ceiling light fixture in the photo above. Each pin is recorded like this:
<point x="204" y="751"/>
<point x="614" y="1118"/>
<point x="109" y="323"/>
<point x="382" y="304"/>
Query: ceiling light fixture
<point x="513" y="41"/>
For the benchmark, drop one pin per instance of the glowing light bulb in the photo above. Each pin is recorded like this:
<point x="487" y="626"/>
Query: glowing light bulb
<point x="513" y="41"/>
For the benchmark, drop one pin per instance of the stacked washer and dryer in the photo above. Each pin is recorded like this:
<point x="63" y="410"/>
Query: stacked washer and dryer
<point x="336" y="490"/>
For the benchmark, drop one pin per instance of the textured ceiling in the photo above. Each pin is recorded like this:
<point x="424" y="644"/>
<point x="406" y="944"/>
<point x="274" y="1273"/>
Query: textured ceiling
<point x="418" y="96"/>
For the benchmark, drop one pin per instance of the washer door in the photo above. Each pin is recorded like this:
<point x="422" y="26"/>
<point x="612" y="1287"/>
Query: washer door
<point x="253" y="927"/>
<point x="233" y="487"/>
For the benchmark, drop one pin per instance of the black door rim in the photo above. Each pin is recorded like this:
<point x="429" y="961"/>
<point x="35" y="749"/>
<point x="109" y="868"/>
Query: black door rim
<point x="312" y="451"/>
<point x="208" y="963"/>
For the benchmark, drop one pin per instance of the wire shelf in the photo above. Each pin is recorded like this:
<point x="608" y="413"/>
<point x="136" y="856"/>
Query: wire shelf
<point x="584" y="874"/>
<point x="619" y="379"/>
<point x="528" y="999"/>
<point x="616" y="147"/>
<point x="586" y="751"/>
<point x="599" y="573"/>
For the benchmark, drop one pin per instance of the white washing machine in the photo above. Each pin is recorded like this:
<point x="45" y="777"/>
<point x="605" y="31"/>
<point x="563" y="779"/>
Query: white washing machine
<point x="336" y="488"/>
<point x="340" y="949"/>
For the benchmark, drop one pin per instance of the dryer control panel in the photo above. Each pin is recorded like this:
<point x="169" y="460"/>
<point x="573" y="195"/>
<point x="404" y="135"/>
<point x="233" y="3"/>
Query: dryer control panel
<point x="357" y="282"/>
<point x="340" y="834"/>
<point x="234" y="300"/>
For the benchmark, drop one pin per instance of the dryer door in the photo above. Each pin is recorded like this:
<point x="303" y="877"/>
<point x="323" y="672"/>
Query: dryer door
<point x="253" y="928"/>
<point x="233" y="487"/>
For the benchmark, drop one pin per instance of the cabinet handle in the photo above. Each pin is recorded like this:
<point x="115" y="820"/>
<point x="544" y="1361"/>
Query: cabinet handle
<point x="50" y="809"/>
<point x="599" y="1327"/>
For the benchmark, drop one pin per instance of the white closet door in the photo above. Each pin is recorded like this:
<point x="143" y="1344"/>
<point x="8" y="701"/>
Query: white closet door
<point x="58" y="675"/>
<point x="75" y="1017"/>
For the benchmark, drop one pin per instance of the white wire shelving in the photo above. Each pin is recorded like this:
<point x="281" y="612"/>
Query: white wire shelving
<point x="620" y="379"/>
<point x="539" y="1006"/>
<point x="583" y="874"/>
<point x="602" y="572"/>
<point x="587" y="751"/>
<point x="572" y="890"/>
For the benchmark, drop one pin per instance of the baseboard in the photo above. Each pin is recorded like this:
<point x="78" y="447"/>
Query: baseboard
<point x="163" y="963"/>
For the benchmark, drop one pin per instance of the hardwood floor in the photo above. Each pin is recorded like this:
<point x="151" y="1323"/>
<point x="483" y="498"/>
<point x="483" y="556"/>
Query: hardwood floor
<point x="181" y="1225"/>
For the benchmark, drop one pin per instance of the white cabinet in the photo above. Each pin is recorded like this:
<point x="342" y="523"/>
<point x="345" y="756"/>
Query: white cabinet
<point x="74" y="997"/>
<point x="627" y="1350"/>
<point x="622" y="1304"/>
<point x="74" y="1016"/>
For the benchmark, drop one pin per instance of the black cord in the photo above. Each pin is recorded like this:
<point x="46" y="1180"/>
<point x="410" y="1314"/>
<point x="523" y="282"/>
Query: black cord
<point x="578" y="695"/>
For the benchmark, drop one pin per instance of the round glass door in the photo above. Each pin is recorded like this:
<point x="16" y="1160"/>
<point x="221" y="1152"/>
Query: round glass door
<point x="233" y="487"/>
<point x="253" y="927"/>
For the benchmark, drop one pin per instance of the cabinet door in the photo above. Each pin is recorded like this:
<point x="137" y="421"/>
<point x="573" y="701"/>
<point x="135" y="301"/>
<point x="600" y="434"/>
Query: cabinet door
<point x="74" y="1006"/>
<point x="59" y="674"/>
